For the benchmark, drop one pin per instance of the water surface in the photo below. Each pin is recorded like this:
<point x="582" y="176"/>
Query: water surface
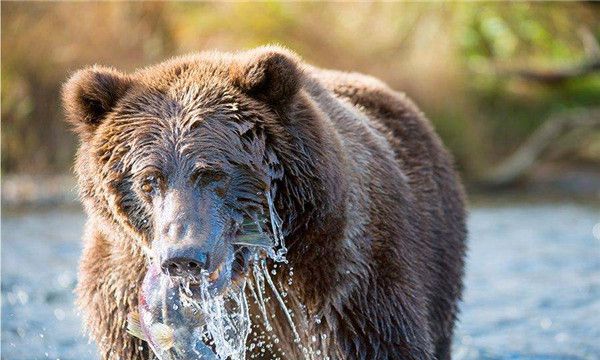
<point x="532" y="285"/>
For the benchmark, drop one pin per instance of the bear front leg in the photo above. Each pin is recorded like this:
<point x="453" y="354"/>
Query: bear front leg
<point x="107" y="289"/>
<point x="380" y="324"/>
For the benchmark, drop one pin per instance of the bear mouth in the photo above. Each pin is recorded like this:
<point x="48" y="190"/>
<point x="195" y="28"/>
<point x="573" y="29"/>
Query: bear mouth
<point x="230" y="273"/>
<point x="176" y="314"/>
<point x="194" y="306"/>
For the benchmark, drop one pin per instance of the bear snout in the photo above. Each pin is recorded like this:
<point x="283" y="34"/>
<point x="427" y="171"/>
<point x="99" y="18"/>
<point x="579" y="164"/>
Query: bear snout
<point x="185" y="262"/>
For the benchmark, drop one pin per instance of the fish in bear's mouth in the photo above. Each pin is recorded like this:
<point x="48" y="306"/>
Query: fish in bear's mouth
<point x="234" y="267"/>
<point x="227" y="274"/>
<point x="172" y="311"/>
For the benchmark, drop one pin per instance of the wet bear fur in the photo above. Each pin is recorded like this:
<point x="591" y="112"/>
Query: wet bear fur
<point x="371" y="205"/>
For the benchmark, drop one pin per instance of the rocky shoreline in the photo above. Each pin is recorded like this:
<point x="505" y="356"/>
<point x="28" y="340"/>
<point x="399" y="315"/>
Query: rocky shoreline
<point x="29" y="191"/>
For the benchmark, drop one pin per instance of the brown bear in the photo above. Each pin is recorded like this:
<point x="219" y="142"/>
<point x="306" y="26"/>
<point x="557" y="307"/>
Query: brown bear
<point x="172" y="156"/>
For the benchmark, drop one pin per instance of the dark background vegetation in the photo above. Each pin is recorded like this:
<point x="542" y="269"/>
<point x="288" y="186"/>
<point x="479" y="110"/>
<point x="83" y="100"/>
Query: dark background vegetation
<point x="460" y="62"/>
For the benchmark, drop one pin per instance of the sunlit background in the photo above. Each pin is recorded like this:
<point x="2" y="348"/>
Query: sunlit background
<point x="512" y="88"/>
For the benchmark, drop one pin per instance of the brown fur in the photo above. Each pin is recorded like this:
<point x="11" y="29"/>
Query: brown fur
<point x="372" y="208"/>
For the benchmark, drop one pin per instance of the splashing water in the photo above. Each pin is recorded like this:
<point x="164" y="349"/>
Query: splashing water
<point x="227" y="320"/>
<point x="182" y="322"/>
<point x="270" y="298"/>
<point x="278" y="250"/>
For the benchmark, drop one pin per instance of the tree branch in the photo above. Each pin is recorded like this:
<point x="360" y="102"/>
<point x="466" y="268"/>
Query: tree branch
<point x="590" y="64"/>
<point x="516" y="166"/>
<point x="558" y="75"/>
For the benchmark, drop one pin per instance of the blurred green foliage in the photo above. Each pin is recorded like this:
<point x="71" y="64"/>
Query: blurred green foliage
<point x="441" y="54"/>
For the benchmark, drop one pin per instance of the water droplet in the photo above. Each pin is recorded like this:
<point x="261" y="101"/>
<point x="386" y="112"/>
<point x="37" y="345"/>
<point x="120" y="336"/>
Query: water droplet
<point x="596" y="231"/>
<point x="561" y="337"/>
<point x="59" y="314"/>
<point x="545" y="323"/>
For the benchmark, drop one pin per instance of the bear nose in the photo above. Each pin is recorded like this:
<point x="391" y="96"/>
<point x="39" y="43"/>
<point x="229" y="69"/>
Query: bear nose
<point x="185" y="264"/>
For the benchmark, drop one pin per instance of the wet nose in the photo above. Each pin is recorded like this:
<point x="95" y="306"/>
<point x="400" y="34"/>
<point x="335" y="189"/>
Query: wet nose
<point x="188" y="263"/>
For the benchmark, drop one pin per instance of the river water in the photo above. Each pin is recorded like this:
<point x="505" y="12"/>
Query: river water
<point x="532" y="285"/>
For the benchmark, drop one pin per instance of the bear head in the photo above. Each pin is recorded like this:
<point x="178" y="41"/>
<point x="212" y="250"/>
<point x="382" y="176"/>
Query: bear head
<point x="182" y="157"/>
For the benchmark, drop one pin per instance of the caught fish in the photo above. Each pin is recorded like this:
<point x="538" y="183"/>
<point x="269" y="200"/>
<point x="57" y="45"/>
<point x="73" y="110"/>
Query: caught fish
<point x="178" y="320"/>
<point x="257" y="240"/>
<point x="160" y="334"/>
<point x="171" y="327"/>
<point x="254" y="236"/>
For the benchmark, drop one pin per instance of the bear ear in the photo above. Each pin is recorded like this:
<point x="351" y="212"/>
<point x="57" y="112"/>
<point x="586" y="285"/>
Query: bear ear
<point x="269" y="73"/>
<point x="90" y="94"/>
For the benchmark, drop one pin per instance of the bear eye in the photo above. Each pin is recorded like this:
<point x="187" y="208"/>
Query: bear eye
<point x="149" y="184"/>
<point x="205" y="177"/>
<point x="147" y="188"/>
